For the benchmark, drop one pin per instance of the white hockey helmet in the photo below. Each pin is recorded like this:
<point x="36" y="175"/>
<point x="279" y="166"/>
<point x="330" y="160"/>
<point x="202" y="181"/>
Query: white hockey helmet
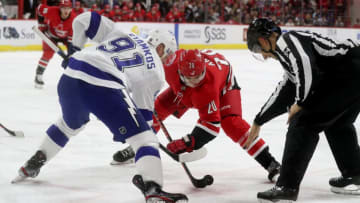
<point x="157" y="37"/>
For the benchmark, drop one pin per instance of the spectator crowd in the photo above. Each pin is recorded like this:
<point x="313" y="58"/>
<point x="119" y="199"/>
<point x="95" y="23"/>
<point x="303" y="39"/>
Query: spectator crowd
<point x="283" y="12"/>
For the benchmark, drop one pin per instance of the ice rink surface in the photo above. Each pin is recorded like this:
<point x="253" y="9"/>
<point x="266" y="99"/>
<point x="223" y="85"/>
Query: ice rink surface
<point x="81" y="172"/>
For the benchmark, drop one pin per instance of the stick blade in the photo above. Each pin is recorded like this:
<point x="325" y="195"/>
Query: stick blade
<point x="193" y="156"/>
<point x="18" y="179"/>
<point x="19" y="133"/>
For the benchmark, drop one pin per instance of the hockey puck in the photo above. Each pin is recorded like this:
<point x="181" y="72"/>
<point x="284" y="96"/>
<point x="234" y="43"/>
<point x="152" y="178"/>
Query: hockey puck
<point x="209" y="179"/>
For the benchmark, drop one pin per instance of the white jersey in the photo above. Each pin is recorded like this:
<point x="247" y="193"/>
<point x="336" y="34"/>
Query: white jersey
<point x="120" y="60"/>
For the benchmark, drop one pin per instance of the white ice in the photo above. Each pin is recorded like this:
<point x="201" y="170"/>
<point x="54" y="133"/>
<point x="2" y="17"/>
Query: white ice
<point x="81" y="172"/>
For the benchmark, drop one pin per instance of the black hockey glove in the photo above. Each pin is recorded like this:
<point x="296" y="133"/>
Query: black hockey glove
<point x="71" y="50"/>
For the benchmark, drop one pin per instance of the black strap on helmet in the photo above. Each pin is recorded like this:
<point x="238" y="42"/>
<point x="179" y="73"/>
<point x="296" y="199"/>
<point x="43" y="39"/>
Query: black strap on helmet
<point x="260" y="27"/>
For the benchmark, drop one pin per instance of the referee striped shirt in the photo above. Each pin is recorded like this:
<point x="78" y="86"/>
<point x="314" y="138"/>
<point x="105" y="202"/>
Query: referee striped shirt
<point x="305" y="56"/>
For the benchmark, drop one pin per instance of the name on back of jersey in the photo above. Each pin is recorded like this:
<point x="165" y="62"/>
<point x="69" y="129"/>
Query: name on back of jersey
<point x="145" y="47"/>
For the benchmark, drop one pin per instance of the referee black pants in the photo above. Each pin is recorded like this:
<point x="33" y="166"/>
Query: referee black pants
<point x="334" y="109"/>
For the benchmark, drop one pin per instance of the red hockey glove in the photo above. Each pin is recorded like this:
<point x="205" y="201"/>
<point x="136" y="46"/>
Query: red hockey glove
<point x="185" y="144"/>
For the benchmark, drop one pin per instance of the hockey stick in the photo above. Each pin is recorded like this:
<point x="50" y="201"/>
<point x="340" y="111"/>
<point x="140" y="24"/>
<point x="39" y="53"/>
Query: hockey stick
<point x="185" y="157"/>
<point x="11" y="132"/>
<point x="198" y="183"/>
<point x="51" y="44"/>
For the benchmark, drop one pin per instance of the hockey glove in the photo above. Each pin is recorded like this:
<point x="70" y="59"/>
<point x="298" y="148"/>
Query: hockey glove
<point x="71" y="50"/>
<point x="185" y="144"/>
<point x="65" y="62"/>
<point x="43" y="27"/>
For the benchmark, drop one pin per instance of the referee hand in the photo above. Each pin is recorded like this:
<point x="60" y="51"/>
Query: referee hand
<point x="293" y="110"/>
<point x="254" y="133"/>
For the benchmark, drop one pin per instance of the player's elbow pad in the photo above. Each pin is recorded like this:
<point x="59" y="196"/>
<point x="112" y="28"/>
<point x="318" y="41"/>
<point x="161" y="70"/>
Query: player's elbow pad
<point x="201" y="137"/>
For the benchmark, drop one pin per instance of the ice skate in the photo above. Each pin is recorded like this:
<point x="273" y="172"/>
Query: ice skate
<point x="31" y="168"/>
<point x="124" y="156"/>
<point x="274" y="171"/>
<point x="279" y="195"/>
<point x="153" y="193"/>
<point x="341" y="185"/>
<point x="39" y="82"/>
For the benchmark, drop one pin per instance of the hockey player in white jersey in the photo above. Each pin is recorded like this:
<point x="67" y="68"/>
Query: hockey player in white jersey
<point x="98" y="80"/>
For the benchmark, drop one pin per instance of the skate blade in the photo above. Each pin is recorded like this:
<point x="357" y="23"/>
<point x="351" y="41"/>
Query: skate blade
<point x="275" y="178"/>
<point x="272" y="201"/>
<point x="193" y="156"/>
<point x="348" y="190"/>
<point x="156" y="200"/>
<point x="114" y="163"/>
<point x="18" y="179"/>
<point x="38" y="86"/>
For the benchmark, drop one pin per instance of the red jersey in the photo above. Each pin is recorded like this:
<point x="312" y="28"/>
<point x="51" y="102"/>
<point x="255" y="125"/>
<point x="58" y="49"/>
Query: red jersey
<point x="78" y="11"/>
<point x="139" y="15"/>
<point x="107" y="14"/>
<point x="153" y="16"/>
<point x="117" y="17"/>
<point x="57" y="28"/>
<point x="205" y="97"/>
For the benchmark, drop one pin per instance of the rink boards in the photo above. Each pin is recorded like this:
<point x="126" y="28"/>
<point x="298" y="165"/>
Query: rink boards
<point x="18" y="35"/>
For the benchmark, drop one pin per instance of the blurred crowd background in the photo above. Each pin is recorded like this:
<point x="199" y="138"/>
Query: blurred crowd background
<point x="332" y="13"/>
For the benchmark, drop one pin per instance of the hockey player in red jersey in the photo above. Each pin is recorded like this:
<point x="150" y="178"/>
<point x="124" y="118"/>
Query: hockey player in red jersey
<point x="56" y="23"/>
<point x="204" y="81"/>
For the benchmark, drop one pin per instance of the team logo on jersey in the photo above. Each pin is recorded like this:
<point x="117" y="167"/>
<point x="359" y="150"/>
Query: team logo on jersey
<point x="122" y="130"/>
<point x="59" y="30"/>
<point x="212" y="107"/>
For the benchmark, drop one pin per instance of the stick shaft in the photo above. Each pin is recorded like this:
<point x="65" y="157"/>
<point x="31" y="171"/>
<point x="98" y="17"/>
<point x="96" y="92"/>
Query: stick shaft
<point x="51" y="44"/>
<point x="7" y="130"/>
<point x="193" y="180"/>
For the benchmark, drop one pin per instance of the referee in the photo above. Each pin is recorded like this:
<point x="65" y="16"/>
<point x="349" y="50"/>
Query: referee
<point x="321" y="92"/>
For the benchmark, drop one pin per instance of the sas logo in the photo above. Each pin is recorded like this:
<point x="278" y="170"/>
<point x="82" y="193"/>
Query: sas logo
<point x="214" y="33"/>
<point x="358" y="36"/>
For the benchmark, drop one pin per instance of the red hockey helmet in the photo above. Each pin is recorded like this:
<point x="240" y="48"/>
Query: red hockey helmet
<point x="192" y="67"/>
<point x="65" y="3"/>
